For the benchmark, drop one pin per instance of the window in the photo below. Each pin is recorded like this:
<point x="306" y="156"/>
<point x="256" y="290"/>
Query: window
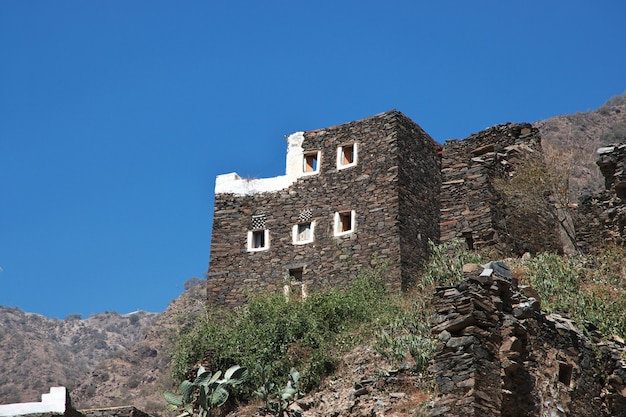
<point x="295" y="288"/>
<point x="565" y="373"/>
<point x="469" y="240"/>
<point x="346" y="156"/>
<point x="258" y="240"/>
<point x="296" y="274"/>
<point x="303" y="233"/>
<point x="311" y="163"/>
<point x="344" y="222"/>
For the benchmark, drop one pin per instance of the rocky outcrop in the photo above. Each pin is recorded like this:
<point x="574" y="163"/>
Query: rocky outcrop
<point x="500" y="355"/>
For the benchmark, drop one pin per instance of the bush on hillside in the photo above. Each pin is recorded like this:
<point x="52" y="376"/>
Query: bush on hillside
<point x="587" y="289"/>
<point x="271" y="331"/>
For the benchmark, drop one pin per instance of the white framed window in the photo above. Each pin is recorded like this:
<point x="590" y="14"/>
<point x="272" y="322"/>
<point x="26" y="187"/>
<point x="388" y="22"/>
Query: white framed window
<point x="347" y="155"/>
<point x="303" y="233"/>
<point x="258" y="240"/>
<point x="345" y="222"/>
<point x="311" y="162"/>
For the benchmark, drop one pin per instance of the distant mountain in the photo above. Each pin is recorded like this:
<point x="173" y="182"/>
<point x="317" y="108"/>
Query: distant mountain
<point x="39" y="352"/>
<point x="138" y="375"/>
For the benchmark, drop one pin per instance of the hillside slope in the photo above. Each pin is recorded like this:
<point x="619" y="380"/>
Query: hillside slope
<point x="574" y="139"/>
<point x="137" y="375"/>
<point x="39" y="352"/>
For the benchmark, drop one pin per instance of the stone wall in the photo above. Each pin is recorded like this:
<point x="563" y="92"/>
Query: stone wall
<point x="499" y="355"/>
<point x="601" y="217"/>
<point x="392" y="189"/>
<point x="419" y="181"/>
<point x="473" y="210"/>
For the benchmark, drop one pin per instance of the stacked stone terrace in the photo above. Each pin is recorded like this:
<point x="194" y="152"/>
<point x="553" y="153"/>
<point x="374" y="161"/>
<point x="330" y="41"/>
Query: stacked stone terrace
<point x="499" y="355"/>
<point x="471" y="208"/>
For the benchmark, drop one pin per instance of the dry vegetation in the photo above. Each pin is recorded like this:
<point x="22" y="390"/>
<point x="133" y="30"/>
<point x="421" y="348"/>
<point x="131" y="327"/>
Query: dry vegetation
<point x="575" y="138"/>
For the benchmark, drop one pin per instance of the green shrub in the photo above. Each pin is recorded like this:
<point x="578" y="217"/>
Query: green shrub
<point x="445" y="266"/>
<point x="587" y="289"/>
<point x="271" y="331"/>
<point x="557" y="280"/>
<point x="206" y="392"/>
<point x="407" y="332"/>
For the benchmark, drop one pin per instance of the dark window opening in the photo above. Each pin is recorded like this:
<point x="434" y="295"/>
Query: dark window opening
<point x="620" y="190"/>
<point x="258" y="239"/>
<point x="469" y="240"/>
<point x="347" y="154"/>
<point x="304" y="232"/>
<point x="565" y="373"/>
<point x="296" y="274"/>
<point x="345" y="222"/>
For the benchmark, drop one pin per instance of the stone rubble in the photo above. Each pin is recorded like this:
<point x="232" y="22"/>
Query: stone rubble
<point x="500" y="355"/>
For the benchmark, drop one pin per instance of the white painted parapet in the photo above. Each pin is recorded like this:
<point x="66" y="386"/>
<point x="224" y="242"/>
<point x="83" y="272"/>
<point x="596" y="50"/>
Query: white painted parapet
<point x="233" y="183"/>
<point x="295" y="155"/>
<point x="53" y="402"/>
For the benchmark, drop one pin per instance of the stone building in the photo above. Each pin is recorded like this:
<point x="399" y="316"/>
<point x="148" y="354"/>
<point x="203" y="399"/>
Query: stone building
<point x="474" y="211"/>
<point x="353" y="194"/>
<point x="601" y="217"/>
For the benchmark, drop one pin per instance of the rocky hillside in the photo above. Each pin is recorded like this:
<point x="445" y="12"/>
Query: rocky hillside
<point x="39" y="352"/>
<point x="138" y="375"/>
<point x="573" y="140"/>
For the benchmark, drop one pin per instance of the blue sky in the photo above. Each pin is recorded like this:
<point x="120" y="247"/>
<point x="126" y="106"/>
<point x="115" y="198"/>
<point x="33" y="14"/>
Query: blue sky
<point x="116" y="116"/>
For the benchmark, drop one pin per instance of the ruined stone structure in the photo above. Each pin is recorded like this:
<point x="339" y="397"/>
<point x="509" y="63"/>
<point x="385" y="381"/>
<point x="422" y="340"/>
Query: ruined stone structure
<point x="473" y="210"/>
<point x="499" y="355"/>
<point x="601" y="217"/>
<point x="353" y="194"/>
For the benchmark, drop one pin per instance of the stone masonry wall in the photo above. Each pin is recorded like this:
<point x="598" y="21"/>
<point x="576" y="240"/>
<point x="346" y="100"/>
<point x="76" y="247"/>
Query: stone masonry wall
<point x="472" y="209"/>
<point x="601" y="217"/>
<point x="372" y="188"/>
<point x="418" y="197"/>
<point x="499" y="355"/>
